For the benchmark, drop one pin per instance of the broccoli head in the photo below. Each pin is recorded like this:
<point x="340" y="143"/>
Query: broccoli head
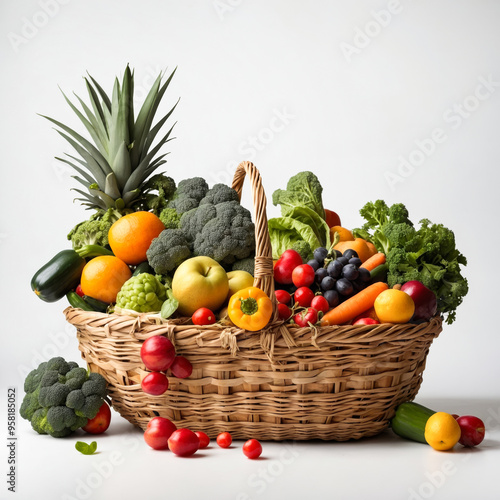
<point x="170" y="218"/>
<point x="226" y="237"/>
<point x="219" y="193"/>
<point x="61" y="397"/>
<point x="168" y="250"/>
<point x="188" y="195"/>
<point x="304" y="249"/>
<point x="157" y="192"/>
<point x="247" y="264"/>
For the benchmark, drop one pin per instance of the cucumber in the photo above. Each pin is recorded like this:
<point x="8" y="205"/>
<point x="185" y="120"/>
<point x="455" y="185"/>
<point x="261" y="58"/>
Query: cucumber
<point x="96" y="304"/>
<point x="410" y="421"/>
<point x="60" y="275"/>
<point x="76" y="301"/>
<point x="143" y="267"/>
<point x="379" y="273"/>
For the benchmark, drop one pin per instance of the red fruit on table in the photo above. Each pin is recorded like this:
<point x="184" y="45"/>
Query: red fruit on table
<point x="252" y="449"/>
<point x="424" y="299"/>
<point x="157" y="353"/>
<point x="184" y="442"/>
<point x="224" y="439"/>
<point x="154" y="383"/>
<point x="285" y="265"/>
<point x="158" y="431"/>
<point x="181" y="367"/>
<point x="204" y="439"/>
<point x="100" y="422"/>
<point x="472" y="430"/>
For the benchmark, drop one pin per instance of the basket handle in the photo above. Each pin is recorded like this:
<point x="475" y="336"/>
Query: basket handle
<point x="263" y="274"/>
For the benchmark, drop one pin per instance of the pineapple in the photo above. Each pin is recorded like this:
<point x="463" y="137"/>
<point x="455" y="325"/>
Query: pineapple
<point x="115" y="167"/>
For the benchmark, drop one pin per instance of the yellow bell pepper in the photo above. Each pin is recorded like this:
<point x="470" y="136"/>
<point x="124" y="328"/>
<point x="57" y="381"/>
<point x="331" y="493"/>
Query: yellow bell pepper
<point x="250" y="309"/>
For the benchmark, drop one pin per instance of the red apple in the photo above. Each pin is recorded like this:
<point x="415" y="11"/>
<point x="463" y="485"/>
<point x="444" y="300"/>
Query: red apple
<point x="285" y="265"/>
<point x="366" y="321"/>
<point x="472" y="429"/>
<point x="425" y="300"/>
<point x="100" y="422"/>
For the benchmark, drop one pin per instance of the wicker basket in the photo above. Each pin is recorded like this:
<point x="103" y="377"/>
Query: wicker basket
<point x="284" y="382"/>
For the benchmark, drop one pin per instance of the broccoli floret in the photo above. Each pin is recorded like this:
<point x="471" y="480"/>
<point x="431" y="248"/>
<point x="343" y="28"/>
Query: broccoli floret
<point x="188" y="195"/>
<point x="170" y="249"/>
<point x="170" y="218"/>
<point x="61" y="397"/>
<point x="304" y="249"/>
<point x="247" y="265"/>
<point x="219" y="193"/>
<point x="227" y="237"/>
<point x="157" y="192"/>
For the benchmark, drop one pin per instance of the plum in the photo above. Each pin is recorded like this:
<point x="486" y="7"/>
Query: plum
<point x="425" y="300"/>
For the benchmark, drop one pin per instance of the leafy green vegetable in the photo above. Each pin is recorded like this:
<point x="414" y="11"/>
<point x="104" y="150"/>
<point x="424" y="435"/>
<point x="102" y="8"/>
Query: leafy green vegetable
<point x="427" y="254"/>
<point x="169" y="306"/>
<point x="86" y="449"/>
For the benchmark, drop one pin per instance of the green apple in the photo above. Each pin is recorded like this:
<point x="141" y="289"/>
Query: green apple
<point x="238" y="280"/>
<point x="200" y="282"/>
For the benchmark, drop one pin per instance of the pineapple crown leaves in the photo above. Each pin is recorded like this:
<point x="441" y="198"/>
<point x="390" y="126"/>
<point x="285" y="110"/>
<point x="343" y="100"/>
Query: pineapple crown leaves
<point x="122" y="156"/>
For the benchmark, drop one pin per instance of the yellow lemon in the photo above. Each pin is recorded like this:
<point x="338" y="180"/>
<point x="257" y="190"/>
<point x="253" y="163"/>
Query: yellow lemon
<point x="442" y="431"/>
<point x="394" y="306"/>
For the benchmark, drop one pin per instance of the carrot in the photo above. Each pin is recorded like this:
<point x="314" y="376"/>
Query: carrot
<point x="348" y="310"/>
<point x="374" y="261"/>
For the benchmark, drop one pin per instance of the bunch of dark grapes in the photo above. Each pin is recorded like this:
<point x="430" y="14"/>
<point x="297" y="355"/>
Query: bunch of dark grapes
<point x="338" y="275"/>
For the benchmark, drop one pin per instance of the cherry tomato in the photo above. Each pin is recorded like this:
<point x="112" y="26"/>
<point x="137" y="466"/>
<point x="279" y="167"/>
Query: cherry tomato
<point x="203" y="316"/>
<point x="181" y="367"/>
<point x="305" y="317"/>
<point x="283" y="297"/>
<point x="303" y="275"/>
<point x="100" y="422"/>
<point x="284" y="312"/>
<point x="157" y="353"/>
<point x="204" y="439"/>
<point x="79" y="291"/>
<point x="252" y="449"/>
<point x="154" y="383"/>
<point x="332" y="219"/>
<point x="366" y="321"/>
<point x="224" y="439"/>
<point x="320" y="304"/>
<point x="184" y="442"/>
<point x="158" y="431"/>
<point x="303" y="296"/>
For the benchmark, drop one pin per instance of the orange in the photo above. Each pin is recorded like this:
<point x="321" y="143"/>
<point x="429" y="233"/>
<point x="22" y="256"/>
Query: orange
<point x="442" y="431"/>
<point x="130" y="236"/>
<point x="394" y="306"/>
<point x="102" y="277"/>
<point x="344" y="234"/>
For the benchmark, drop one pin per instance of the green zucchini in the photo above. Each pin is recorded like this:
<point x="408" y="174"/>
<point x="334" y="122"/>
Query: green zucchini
<point x="379" y="273"/>
<point x="96" y="304"/>
<point x="410" y="421"/>
<point x="76" y="301"/>
<point x="143" y="267"/>
<point x="60" y="275"/>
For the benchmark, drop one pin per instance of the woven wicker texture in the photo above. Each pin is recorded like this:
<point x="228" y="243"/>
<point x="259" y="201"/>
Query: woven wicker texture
<point x="285" y="382"/>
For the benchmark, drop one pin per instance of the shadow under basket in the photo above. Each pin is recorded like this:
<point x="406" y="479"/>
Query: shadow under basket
<point x="281" y="383"/>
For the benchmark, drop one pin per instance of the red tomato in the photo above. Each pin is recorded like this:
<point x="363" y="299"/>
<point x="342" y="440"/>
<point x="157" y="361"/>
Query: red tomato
<point x="204" y="439"/>
<point x="320" y="304"/>
<point x="157" y="353"/>
<point x="252" y="449"/>
<point x="100" y="422"/>
<point x="158" y="431"/>
<point x="79" y="291"/>
<point x="284" y="266"/>
<point x="284" y="312"/>
<point x="203" y="316"/>
<point x="282" y="296"/>
<point x="184" y="442"/>
<point x="303" y="275"/>
<point x="332" y="219"/>
<point x="154" y="383"/>
<point x="181" y="367"/>
<point x="303" y="296"/>
<point x="303" y="318"/>
<point x="224" y="439"/>
<point x="366" y="321"/>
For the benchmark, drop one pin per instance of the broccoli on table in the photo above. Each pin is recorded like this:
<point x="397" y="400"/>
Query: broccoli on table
<point x="61" y="397"/>
<point x="188" y="195"/>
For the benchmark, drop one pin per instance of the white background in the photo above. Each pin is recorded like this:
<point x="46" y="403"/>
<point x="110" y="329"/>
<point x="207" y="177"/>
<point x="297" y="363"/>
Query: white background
<point x="349" y="90"/>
